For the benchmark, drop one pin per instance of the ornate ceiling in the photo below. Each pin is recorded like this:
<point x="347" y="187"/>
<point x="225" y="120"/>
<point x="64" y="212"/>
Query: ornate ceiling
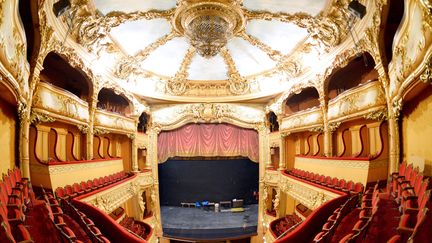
<point x="195" y="48"/>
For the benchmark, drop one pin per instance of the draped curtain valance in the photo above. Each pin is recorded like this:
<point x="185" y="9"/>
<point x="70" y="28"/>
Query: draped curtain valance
<point x="208" y="140"/>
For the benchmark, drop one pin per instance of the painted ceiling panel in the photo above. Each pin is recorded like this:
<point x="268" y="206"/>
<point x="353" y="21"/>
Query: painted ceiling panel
<point x="166" y="60"/>
<point x="312" y="7"/>
<point x="135" y="36"/>
<point x="207" y="69"/>
<point x="248" y="58"/>
<point x="280" y="36"/>
<point x="106" y="6"/>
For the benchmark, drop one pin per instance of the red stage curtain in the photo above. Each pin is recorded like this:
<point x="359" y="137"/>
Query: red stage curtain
<point x="208" y="140"/>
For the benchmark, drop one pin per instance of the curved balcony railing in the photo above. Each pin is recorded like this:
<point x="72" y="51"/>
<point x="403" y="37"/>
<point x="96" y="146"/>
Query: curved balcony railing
<point x="302" y="120"/>
<point x="60" y="104"/>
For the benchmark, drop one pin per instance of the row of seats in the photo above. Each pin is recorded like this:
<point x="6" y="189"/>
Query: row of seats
<point x="70" y="191"/>
<point x="369" y="208"/>
<point x="87" y="224"/>
<point x="141" y="229"/>
<point x="55" y="214"/>
<point x="16" y="195"/>
<point x="281" y="225"/>
<point x="334" y="220"/>
<point x="411" y="191"/>
<point x="331" y="182"/>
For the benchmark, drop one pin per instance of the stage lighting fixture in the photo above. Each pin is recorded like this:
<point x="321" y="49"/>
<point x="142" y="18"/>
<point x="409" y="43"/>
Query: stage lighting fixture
<point x="357" y="9"/>
<point x="60" y="7"/>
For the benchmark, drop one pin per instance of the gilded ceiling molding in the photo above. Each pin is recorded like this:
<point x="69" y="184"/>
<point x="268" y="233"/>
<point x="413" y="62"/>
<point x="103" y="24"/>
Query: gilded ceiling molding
<point x="326" y="28"/>
<point x="172" y="117"/>
<point x="426" y="76"/>
<point x="427" y="11"/>
<point x="130" y="65"/>
<point x="177" y="85"/>
<point x="142" y="55"/>
<point x="115" y="18"/>
<point x="273" y="54"/>
<point x="75" y="60"/>
<point x="238" y="84"/>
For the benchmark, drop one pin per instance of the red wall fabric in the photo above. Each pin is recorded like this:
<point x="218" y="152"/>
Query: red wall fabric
<point x="208" y="140"/>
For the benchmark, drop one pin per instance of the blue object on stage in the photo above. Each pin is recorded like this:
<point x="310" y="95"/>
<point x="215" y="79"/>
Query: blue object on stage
<point x="197" y="204"/>
<point x="205" y="203"/>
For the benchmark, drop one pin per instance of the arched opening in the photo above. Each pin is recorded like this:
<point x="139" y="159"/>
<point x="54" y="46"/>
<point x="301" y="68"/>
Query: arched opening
<point x="28" y="11"/>
<point x="272" y="121"/>
<point x="415" y="128"/>
<point x="9" y="128"/>
<point x="394" y="18"/>
<point x="142" y="122"/>
<point x="205" y="171"/>
<point x="112" y="102"/>
<point x="359" y="70"/>
<point x="59" y="73"/>
<point x="306" y="99"/>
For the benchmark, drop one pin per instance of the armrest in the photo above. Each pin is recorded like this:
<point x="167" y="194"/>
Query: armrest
<point x="411" y="197"/>
<point x="405" y="230"/>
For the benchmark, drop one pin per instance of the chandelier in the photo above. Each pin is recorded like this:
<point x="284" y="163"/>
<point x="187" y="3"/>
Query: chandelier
<point x="208" y="25"/>
<point x="208" y="34"/>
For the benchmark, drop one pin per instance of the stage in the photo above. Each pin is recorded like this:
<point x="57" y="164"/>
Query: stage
<point x="199" y="224"/>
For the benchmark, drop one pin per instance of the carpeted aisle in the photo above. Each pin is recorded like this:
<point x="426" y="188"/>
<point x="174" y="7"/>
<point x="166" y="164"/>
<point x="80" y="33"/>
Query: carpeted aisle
<point x="40" y="226"/>
<point x="42" y="229"/>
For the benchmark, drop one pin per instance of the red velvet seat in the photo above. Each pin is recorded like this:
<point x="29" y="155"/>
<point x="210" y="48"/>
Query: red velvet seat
<point x="61" y="193"/>
<point x="341" y="184"/>
<point x="334" y="182"/>
<point x="85" y="187"/>
<point x="69" y="191"/>
<point x="16" y="234"/>
<point x="103" y="239"/>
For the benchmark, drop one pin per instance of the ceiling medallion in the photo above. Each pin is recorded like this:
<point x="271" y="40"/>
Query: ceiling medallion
<point x="208" y="25"/>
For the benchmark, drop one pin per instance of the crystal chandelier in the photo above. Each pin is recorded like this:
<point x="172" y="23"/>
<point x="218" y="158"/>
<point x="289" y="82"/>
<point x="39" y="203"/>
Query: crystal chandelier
<point x="208" y="25"/>
<point x="208" y="34"/>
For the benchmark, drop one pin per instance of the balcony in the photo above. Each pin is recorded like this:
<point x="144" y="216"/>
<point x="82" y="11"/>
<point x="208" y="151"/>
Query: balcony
<point x="60" y="104"/>
<point x="357" y="102"/>
<point x="302" y="120"/>
<point x="114" y="122"/>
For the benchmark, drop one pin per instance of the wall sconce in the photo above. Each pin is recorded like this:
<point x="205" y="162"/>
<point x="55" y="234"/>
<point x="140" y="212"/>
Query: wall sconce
<point x="272" y="151"/>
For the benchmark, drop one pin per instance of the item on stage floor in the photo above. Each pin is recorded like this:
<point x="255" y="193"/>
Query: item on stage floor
<point x="225" y="204"/>
<point x="187" y="205"/>
<point x="216" y="207"/>
<point x="197" y="204"/>
<point x="237" y="210"/>
<point x="237" y="203"/>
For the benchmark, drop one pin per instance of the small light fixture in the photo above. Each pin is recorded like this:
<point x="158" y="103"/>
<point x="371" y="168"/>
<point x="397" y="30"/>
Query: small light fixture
<point x="60" y="7"/>
<point x="357" y="9"/>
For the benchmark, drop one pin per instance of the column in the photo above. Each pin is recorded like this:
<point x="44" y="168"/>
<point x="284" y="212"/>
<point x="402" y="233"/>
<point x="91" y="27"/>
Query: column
<point x="357" y="146"/>
<point x="134" y="153"/>
<point x="60" y="148"/>
<point x="42" y="143"/>
<point x="328" y="146"/>
<point x="394" y="153"/>
<point x="282" y="152"/>
<point x="153" y="161"/>
<point x="24" y="138"/>
<point x="90" y="132"/>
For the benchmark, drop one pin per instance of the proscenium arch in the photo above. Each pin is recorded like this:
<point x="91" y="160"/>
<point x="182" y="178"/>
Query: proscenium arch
<point x="245" y="147"/>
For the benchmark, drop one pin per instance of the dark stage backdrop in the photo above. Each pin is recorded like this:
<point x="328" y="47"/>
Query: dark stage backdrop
<point x="211" y="180"/>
